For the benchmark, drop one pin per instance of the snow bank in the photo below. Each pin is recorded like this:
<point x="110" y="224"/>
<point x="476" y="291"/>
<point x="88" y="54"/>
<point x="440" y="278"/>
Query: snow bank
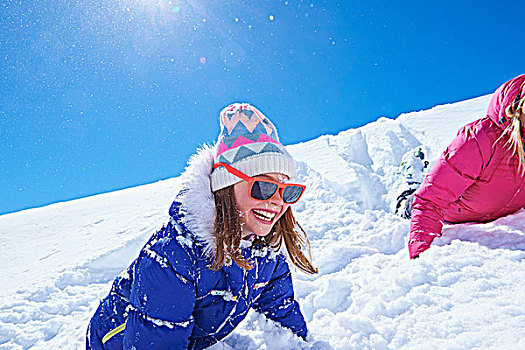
<point x="465" y="292"/>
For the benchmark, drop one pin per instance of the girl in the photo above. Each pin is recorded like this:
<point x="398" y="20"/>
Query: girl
<point x="217" y="257"/>
<point x="480" y="176"/>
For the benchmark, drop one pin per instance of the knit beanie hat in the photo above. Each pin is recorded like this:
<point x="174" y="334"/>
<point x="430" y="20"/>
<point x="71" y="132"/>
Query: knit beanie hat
<point x="248" y="142"/>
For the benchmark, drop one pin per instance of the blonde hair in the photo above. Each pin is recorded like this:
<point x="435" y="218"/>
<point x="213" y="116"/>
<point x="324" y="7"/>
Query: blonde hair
<point x="516" y="113"/>
<point x="227" y="232"/>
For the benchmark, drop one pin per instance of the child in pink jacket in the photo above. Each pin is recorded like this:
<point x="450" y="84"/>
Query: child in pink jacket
<point x="480" y="176"/>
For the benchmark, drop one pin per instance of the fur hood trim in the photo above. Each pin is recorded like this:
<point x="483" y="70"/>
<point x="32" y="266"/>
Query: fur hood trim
<point x="197" y="200"/>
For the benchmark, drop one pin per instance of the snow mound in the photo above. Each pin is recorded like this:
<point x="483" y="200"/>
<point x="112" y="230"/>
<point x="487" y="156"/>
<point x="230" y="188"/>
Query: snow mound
<point x="466" y="292"/>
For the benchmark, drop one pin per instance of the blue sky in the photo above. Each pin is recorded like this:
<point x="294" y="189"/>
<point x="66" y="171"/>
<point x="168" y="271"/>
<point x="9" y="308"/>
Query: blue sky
<point x="101" y="95"/>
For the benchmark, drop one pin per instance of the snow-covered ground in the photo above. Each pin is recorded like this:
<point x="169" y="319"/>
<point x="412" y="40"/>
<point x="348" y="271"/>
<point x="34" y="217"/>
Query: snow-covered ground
<point x="466" y="292"/>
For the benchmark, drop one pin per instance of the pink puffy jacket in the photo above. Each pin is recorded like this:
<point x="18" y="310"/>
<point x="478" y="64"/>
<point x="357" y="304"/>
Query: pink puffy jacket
<point x="475" y="180"/>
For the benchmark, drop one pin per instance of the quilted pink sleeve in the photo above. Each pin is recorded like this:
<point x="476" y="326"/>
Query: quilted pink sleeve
<point x="457" y="168"/>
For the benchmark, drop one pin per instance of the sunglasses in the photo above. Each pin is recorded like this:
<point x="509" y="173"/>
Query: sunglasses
<point x="263" y="190"/>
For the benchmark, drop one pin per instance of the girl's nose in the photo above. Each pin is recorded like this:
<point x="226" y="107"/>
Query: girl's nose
<point x="277" y="197"/>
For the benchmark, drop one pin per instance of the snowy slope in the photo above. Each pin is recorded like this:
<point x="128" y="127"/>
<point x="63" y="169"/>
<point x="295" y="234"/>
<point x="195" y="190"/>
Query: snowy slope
<point x="466" y="292"/>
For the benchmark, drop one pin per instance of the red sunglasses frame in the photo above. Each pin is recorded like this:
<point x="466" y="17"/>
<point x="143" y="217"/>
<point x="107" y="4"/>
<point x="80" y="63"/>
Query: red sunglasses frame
<point x="251" y="180"/>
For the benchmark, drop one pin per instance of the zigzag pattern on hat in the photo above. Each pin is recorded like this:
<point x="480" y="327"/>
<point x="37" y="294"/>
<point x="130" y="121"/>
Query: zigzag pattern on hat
<point x="245" y="121"/>
<point x="248" y="150"/>
<point x="232" y="142"/>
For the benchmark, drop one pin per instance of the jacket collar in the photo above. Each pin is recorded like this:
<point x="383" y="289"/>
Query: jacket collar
<point x="196" y="210"/>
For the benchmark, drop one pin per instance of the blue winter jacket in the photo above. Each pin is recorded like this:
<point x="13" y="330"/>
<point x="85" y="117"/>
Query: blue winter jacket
<point x="168" y="298"/>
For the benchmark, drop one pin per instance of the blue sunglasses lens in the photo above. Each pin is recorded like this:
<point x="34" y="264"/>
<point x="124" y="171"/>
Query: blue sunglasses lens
<point x="292" y="193"/>
<point x="263" y="190"/>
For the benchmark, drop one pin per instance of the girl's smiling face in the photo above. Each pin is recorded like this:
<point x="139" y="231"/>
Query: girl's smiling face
<point x="258" y="217"/>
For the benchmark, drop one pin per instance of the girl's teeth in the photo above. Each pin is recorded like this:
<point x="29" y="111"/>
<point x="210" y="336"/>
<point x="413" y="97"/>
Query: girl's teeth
<point x="263" y="215"/>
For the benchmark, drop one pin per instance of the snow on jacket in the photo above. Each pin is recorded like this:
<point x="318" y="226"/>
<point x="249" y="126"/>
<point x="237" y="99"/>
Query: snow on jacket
<point x="475" y="180"/>
<point x="168" y="298"/>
